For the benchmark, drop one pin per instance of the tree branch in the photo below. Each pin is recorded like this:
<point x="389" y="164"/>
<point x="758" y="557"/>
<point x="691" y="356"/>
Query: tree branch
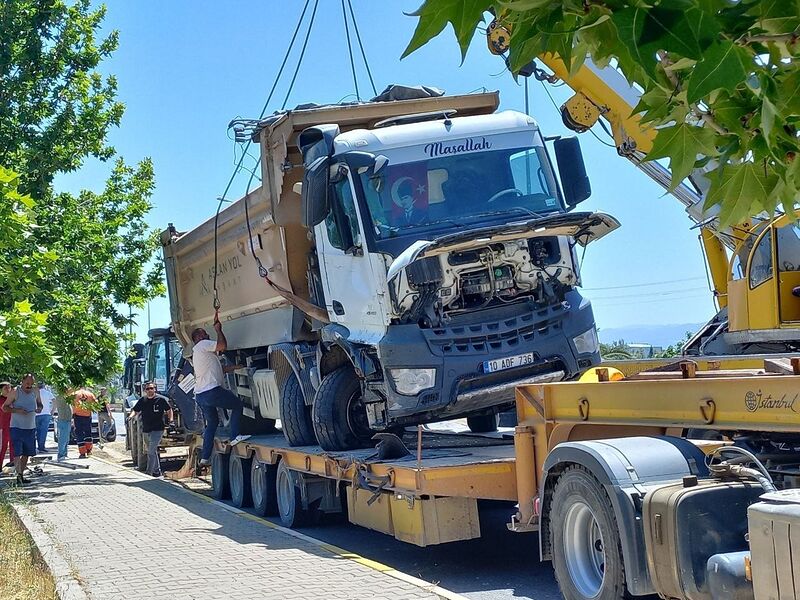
<point x="765" y="39"/>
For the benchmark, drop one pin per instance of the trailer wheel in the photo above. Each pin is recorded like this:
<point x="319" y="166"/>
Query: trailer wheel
<point x="339" y="416"/>
<point x="295" y="415"/>
<point x="141" y="447"/>
<point x="239" y="480"/>
<point x="483" y="423"/>
<point x="220" y="483"/>
<point x="262" y="487"/>
<point x="587" y="552"/>
<point x="290" y="501"/>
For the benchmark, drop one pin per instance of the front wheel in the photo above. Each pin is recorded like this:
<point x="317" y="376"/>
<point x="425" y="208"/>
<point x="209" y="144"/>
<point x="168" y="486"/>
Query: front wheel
<point x="339" y="416"/>
<point x="587" y="552"/>
<point x="295" y="415"/>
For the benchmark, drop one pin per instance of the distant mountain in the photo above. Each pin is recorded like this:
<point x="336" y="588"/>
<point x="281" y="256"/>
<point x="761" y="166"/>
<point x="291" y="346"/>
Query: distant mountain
<point x="656" y="335"/>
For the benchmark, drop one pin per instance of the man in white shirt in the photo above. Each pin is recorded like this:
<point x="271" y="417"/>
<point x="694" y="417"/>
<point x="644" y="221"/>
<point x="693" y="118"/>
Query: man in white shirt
<point x="209" y="391"/>
<point x="44" y="418"/>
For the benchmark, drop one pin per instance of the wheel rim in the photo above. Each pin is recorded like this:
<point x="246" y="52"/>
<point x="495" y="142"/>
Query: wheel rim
<point x="285" y="492"/>
<point x="357" y="417"/>
<point x="584" y="550"/>
<point x="257" y="483"/>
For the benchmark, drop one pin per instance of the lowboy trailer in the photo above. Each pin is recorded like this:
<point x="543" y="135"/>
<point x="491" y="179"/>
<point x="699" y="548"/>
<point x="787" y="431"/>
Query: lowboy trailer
<point x="624" y="503"/>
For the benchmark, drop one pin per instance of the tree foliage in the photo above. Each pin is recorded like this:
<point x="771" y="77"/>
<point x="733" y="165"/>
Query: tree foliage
<point x="71" y="259"/>
<point x="720" y="78"/>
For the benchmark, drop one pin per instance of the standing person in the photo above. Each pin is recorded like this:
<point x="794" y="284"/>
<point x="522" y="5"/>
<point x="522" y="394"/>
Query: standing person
<point x="24" y="403"/>
<point x="104" y="417"/>
<point x="45" y="417"/>
<point x="208" y="389"/>
<point x="152" y="407"/>
<point x="82" y="415"/>
<point x="63" y="425"/>
<point x="5" y="426"/>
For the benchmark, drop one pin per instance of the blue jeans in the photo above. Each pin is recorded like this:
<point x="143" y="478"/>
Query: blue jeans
<point x="64" y="429"/>
<point x="209" y="402"/>
<point x="42" y="423"/>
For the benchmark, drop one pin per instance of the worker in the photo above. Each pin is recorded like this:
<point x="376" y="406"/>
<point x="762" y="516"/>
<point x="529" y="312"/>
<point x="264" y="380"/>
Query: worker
<point x="44" y="419"/>
<point x="104" y="417"/>
<point x="5" y="427"/>
<point x="82" y="416"/>
<point x="63" y="424"/>
<point x="208" y="389"/>
<point x="153" y="408"/>
<point x="24" y="403"/>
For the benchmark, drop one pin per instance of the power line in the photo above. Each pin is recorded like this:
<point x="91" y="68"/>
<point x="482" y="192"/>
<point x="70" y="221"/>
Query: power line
<point x="648" y="294"/>
<point x="638" y="285"/>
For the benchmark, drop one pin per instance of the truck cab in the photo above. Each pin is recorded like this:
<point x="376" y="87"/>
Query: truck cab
<point x="447" y="260"/>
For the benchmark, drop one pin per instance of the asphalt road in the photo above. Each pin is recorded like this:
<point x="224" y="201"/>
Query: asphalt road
<point x="500" y="565"/>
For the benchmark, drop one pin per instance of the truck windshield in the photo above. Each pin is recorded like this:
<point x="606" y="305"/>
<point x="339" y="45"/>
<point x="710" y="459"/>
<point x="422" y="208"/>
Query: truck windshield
<point x="460" y="190"/>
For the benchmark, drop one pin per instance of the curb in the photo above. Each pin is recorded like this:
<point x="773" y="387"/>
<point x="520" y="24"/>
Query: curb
<point x="67" y="586"/>
<point x="340" y="552"/>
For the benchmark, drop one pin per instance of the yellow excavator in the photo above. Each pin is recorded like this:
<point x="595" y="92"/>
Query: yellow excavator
<point x="754" y="267"/>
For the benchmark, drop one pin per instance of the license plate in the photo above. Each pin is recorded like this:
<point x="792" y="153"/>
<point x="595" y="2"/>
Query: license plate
<point x="509" y="362"/>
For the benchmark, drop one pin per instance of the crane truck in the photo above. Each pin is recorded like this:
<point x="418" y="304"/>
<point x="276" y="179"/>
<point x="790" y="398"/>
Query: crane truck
<point x="403" y="262"/>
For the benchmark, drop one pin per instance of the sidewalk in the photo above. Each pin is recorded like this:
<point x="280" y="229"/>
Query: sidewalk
<point x="125" y="535"/>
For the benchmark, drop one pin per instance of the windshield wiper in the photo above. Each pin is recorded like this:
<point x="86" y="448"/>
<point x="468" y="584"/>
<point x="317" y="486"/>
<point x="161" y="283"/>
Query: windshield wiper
<point x="492" y="213"/>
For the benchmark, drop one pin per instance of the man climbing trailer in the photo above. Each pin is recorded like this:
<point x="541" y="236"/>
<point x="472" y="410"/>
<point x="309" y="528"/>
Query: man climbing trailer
<point x="379" y="309"/>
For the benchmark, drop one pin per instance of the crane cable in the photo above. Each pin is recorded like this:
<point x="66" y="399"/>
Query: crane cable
<point x="361" y="47"/>
<point x="237" y="168"/>
<point x="350" y="51"/>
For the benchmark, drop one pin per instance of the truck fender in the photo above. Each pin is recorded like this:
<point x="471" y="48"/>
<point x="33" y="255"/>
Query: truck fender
<point x="625" y="467"/>
<point x="299" y="359"/>
<point x="335" y="335"/>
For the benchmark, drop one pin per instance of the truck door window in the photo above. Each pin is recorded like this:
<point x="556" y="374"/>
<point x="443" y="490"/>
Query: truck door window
<point x="761" y="261"/>
<point x="789" y="248"/>
<point x="157" y="361"/>
<point x="343" y="218"/>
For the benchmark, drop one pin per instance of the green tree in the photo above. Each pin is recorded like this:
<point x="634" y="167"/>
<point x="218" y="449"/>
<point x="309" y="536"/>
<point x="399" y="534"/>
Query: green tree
<point x="615" y="351"/>
<point x="721" y="79"/>
<point x="675" y="349"/>
<point x="92" y="248"/>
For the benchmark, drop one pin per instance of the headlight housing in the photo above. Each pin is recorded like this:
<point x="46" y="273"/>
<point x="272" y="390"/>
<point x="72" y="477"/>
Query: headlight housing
<point x="586" y="343"/>
<point x="410" y="382"/>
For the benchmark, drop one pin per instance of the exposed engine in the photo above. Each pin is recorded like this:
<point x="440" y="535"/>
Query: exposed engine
<point x="541" y="269"/>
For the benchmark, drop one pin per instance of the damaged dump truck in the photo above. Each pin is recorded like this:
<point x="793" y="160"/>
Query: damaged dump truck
<point x="403" y="262"/>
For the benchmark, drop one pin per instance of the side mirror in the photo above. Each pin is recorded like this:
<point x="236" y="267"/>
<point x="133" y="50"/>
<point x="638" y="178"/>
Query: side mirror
<point x="574" y="181"/>
<point x="314" y="192"/>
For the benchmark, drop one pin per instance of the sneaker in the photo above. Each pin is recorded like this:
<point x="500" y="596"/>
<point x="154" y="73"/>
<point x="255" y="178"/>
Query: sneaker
<point x="205" y="462"/>
<point x="21" y="480"/>
<point x="83" y="456"/>
<point x="61" y="459"/>
<point x="239" y="438"/>
<point x="157" y="475"/>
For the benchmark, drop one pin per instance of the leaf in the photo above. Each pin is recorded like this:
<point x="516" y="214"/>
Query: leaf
<point x="768" y="115"/>
<point x="682" y="144"/>
<point x="788" y="100"/>
<point x="721" y="68"/>
<point x="741" y="191"/>
<point x="777" y="16"/>
<point x="434" y="15"/>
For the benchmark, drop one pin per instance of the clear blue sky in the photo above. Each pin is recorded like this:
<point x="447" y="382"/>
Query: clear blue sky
<point x="186" y="68"/>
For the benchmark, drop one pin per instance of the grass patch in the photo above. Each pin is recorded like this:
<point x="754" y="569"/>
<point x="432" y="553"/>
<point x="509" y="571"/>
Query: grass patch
<point x="24" y="575"/>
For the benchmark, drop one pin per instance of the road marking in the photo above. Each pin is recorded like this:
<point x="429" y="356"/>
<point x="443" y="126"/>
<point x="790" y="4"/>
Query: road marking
<point x="340" y="552"/>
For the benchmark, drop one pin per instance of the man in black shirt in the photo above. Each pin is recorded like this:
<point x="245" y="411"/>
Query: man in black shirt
<point x="152" y="407"/>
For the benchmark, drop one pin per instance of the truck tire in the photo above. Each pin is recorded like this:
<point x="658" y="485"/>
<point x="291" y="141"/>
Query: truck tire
<point x="339" y="416"/>
<point x="290" y="501"/>
<point x="141" y="447"/>
<point x="585" y="541"/>
<point x="239" y="480"/>
<point x="482" y="423"/>
<point x="295" y="415"/>
<point x="220" y="484"/>
<point x="262" y="487"/>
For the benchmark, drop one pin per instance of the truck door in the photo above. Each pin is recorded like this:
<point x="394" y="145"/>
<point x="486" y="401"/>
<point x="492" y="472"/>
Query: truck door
<point x="788" y="242"/>
<point x="351" y="289"/>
